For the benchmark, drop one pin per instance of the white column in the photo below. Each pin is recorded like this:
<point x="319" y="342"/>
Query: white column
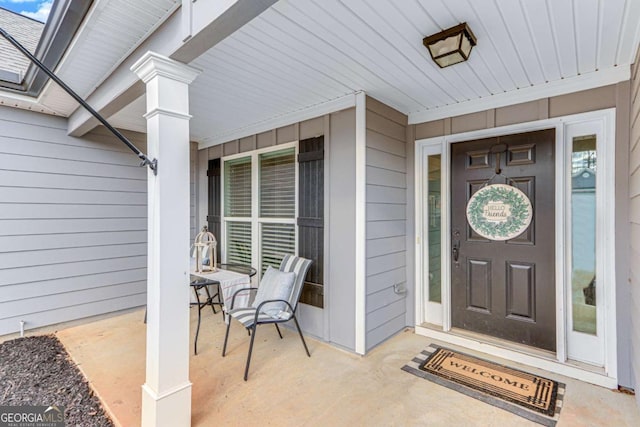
<point x="166" y="394"/>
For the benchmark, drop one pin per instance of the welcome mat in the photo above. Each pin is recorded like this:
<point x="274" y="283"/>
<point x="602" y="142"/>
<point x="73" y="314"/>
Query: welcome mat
<point x="535" y="398"/>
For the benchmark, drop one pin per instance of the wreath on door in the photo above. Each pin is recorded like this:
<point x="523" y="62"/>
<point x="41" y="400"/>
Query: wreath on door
<point x="499" y="212"/>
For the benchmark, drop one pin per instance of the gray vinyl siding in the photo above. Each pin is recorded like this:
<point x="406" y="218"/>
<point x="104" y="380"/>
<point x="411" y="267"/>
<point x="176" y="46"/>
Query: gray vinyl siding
<point x="73" y="222"/>
<point x="634" y="202"/>
<point x="73" y="219"/>
<point x="336" y="322"/>
<point x="386" y="216"/>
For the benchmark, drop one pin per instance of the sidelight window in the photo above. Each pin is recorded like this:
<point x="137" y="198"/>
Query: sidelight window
<point x="432" y="226"/>
<point x="589" y="273"/>
<point x="583" y="234"/>
<point x="435" y="228"/>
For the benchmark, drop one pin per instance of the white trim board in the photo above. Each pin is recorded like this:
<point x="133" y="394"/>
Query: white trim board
<point x="15" y="100"/>
<point x="311" y="112"/>
<point x="531" y="93"/>
<point x="360" y="232"/>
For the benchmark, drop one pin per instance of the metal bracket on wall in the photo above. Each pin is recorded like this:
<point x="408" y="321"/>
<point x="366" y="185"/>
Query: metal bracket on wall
<point x="399" y="288"/>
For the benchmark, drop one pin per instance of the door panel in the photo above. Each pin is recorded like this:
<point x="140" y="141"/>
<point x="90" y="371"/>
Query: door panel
<point x="521" y="290"/>
<point x="506" y="289"/>
<point x="479" y="285"/>
<point x="526" y="184"/>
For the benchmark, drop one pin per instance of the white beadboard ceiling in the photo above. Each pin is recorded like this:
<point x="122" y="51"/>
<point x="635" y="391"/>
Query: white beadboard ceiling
<point x="109" y="33"/>
<point x="301" y="53"/>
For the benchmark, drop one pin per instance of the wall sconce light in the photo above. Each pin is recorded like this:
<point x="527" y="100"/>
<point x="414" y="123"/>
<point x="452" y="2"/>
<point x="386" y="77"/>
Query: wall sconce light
<point x="451" y="46"/>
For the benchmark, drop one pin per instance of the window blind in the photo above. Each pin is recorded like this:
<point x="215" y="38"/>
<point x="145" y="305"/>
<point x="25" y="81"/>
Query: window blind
<point x="276" y="241"/>
<point x="238" y="242"/>
<point x="237" y="187"/>
<point x="278" y="184"/>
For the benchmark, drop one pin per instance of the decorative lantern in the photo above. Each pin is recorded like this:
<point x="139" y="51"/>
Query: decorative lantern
<point x="205" y="251"/>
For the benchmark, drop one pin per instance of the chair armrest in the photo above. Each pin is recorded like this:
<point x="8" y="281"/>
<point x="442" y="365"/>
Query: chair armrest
<point x="259" y="308"/>
<point x="233" y="298"/>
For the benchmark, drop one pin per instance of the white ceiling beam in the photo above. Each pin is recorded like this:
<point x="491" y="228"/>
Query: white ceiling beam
<point x="207" y="24"/>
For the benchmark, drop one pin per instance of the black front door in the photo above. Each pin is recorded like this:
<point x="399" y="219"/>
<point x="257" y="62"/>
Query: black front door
<point x="505" y="289"/>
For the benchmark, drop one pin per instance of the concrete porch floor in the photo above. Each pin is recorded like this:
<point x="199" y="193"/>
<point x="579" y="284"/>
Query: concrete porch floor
<point x="286" y="388"/>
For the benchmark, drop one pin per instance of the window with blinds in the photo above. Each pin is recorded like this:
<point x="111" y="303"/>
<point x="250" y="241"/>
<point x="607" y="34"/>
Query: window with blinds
<point x="238" y="242"/>
<point x="280" y="212"/>
<point x="278" y="184"/>
<point x="276" y="241"/>
<point x="237" y="187"/>
<point x="277" y="171"/>
<point x="261" y="236"/>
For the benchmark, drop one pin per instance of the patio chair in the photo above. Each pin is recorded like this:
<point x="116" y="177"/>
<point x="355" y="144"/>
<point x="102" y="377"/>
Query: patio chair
<point x="275" y="302"/>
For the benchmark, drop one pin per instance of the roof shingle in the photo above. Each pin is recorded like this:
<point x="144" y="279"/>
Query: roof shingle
<point x="26" y="31"/>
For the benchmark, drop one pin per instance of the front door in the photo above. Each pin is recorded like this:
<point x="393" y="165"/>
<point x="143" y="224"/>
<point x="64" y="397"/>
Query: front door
<point x="505" y="289"/>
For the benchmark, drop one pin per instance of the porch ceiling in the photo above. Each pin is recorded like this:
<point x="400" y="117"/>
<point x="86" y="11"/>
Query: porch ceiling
<point x="110" y="32"/>
<point x="303" y="53"/>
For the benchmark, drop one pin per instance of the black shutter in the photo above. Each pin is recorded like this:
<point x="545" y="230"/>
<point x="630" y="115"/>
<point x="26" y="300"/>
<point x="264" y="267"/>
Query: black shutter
<point x="311" y="217"/>
<point x="215" y="202"/>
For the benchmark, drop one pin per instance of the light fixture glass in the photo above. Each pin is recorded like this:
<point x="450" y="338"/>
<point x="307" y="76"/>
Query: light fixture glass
<point x="451" y="46"/>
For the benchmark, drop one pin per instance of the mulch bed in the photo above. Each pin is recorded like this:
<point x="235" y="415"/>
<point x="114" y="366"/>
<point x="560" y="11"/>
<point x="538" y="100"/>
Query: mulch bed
<point x="38" y="371"/>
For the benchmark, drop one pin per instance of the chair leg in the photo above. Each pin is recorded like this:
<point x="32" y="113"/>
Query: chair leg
<point x="301" y="337"/>
<point x="253" y="336"/>
<point x="226" y="337"/>
<point x="278" y="329"/>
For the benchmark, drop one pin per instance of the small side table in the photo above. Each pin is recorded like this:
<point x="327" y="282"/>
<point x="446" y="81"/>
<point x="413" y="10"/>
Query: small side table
<point x="198" y="282"/>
